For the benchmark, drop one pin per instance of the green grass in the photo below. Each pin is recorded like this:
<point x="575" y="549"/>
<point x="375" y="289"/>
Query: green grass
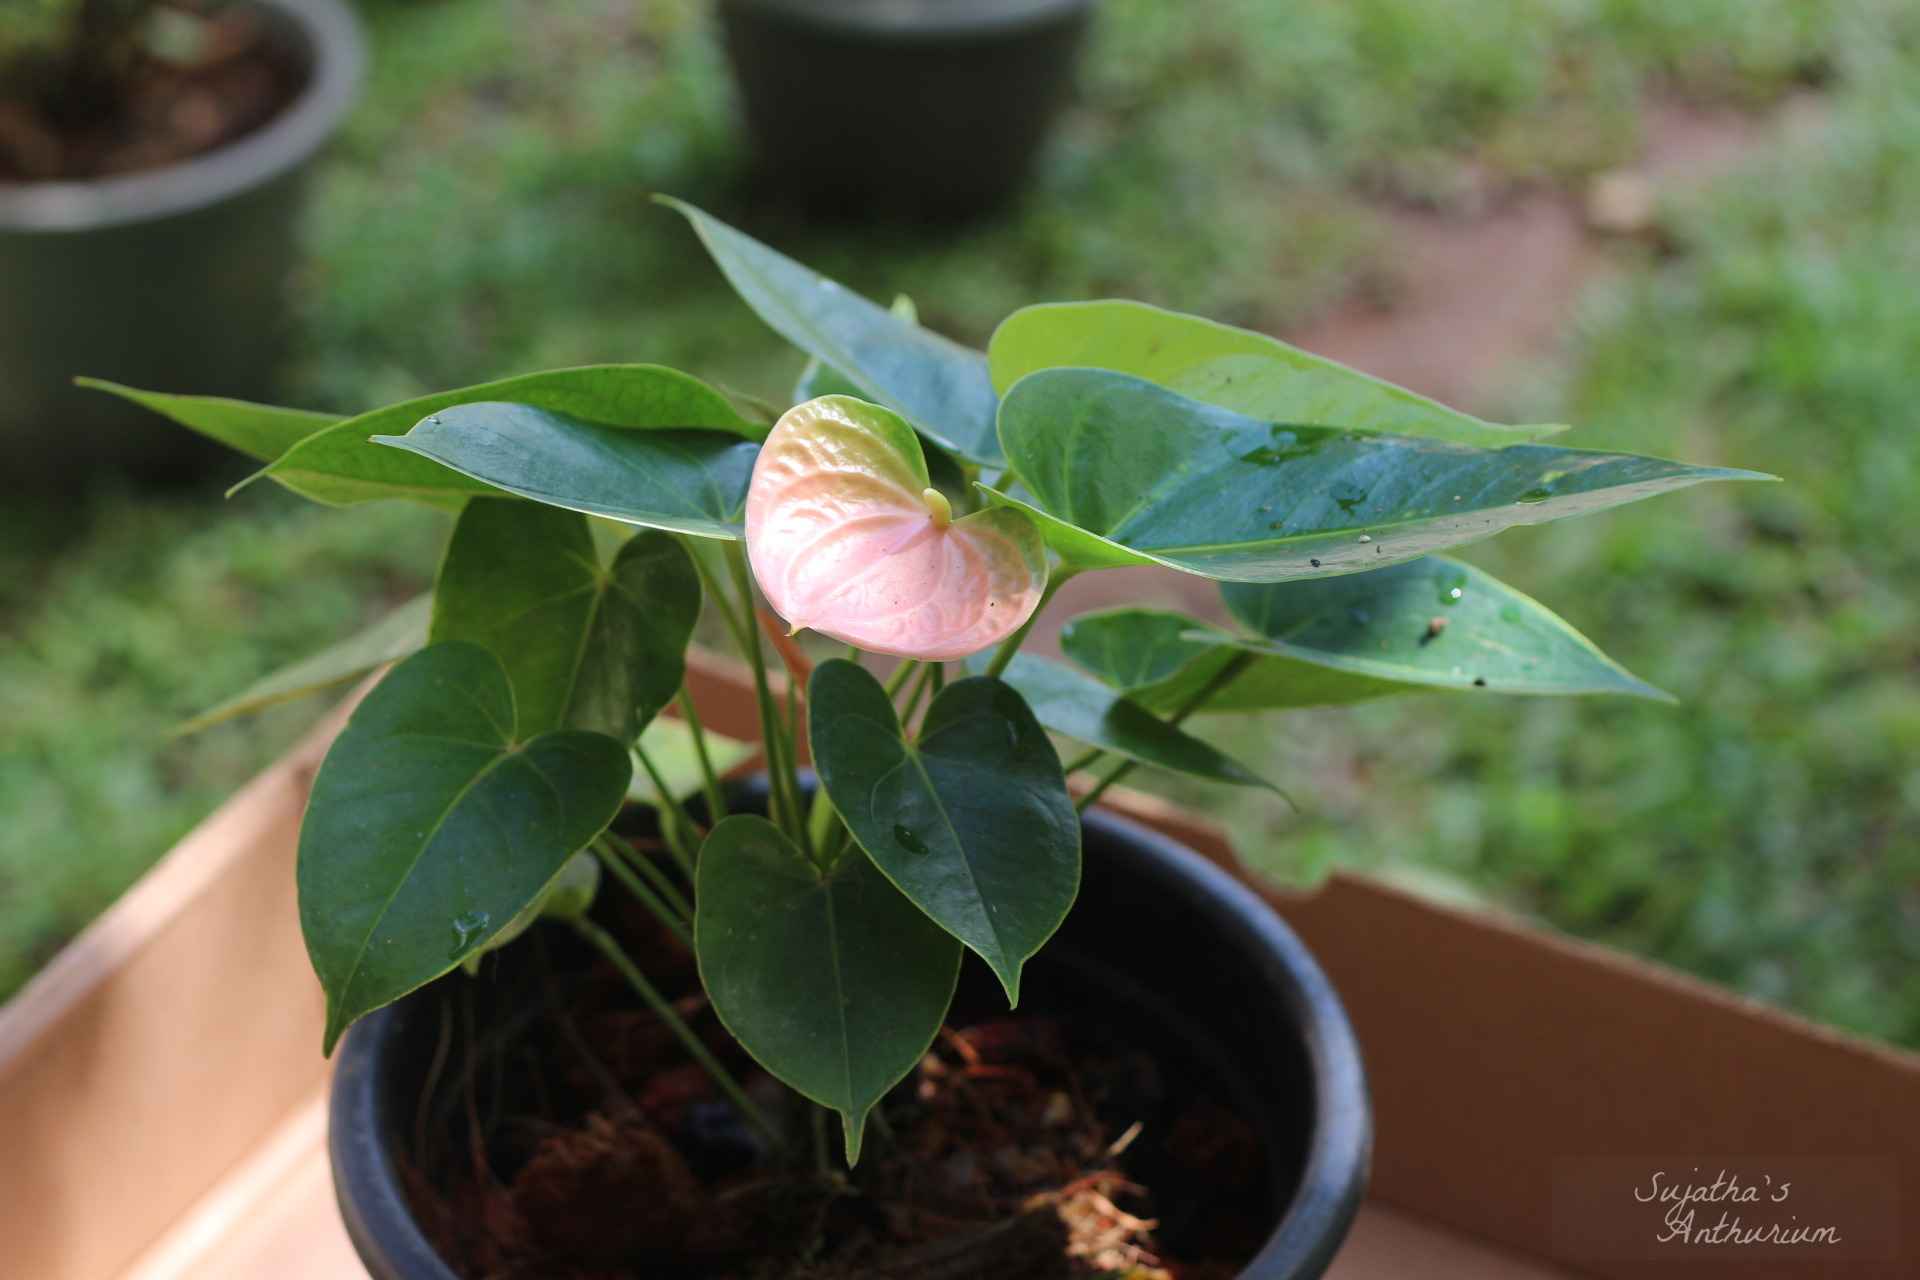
<point x="1766" y="833"/>
<point x="487" y="213"/>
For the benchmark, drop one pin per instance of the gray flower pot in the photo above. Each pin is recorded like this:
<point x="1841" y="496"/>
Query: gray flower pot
<point x="172" y="279"/>
<point x="931" y="107"/>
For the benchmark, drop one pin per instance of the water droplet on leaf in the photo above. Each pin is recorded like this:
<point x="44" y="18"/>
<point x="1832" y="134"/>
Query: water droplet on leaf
<point x="466" y="928"/>
<point x="907" y="840"/>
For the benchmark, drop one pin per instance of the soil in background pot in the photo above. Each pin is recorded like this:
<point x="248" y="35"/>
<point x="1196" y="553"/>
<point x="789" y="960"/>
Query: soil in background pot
<point x="228" y="75"/>
<point x="563" y="1134"/>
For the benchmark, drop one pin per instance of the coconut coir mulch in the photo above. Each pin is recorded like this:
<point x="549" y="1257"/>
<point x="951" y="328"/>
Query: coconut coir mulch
<point x="564" y="1136"/>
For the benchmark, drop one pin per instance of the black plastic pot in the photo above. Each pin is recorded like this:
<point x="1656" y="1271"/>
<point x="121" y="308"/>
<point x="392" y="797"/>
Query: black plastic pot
<point x="173" y="279"/>
<point x="933" y="107"/>
<point x="1160" y="937"/>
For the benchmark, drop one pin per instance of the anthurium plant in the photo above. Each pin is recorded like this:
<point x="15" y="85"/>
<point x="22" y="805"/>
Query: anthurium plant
<point x="919" y="503"/>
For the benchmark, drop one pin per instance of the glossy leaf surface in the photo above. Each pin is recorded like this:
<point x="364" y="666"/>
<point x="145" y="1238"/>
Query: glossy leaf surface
<point x="1081" y="707"/>
<point x="691" y="482"/>
<point x="394" y="636"/>
<point x="1237" y="369"/>
<point x="341" y="466"/>
<point x="1430" y="624"/>
<point x="261" y="431"/>
<point x="847" y="537"/>
<point x="1124" y="472"/>
<point x="939" y="385"/>
<point x="835" y="985"/>
<point x="971" y="820"/>
<point x="432" y="824"/>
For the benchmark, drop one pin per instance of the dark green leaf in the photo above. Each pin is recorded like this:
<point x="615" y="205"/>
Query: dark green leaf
<point x="1335" y="640"/>
<point x="692" y="481"/>
<point x="339" y="466"/>
<point x="972" y="821"/>
<point x="836" y="986"/>
<point x="1125" y="472"/>
<point x="1231" y="368"/>
<point x="260" y="431"/>
<point x="394" y="636"/>
<point x="934" y="382"/>
<point x="1083" y="708"/>
<point x="584" y="646"/>
<point x="432" y="824"/>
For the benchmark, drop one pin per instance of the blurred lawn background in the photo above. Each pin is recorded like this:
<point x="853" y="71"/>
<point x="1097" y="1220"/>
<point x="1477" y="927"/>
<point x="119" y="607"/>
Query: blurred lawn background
<point x="486" y="213"/>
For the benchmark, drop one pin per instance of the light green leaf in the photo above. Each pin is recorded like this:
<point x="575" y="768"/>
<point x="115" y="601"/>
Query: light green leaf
<point x="971" y="820"/>
<point x="393" y="636"/>
<point x="260" y="431"/>
<point x="1125" y="472"/>
<point x="1237" y="369"/>
<point x="691" y="482"/>
<point x="584" y="646"/>
<point x="669" y="743"/>
<point x="339" y="466"/>
<point x="432" y="824"/>
<point x="836" y="985"/>
<point x="1431" y="624"/>
<point x="937" y="384"/>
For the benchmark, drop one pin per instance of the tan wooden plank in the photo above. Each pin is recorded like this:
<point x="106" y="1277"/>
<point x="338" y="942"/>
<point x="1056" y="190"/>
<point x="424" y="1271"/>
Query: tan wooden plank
<point x="274" y="1218"/>
<point x="157" y="1048"/>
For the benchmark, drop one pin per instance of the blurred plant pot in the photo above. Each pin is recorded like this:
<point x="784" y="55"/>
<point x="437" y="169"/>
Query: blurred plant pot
<point x="1162" y="942"/>
<point x="935" y="107"/>
<point x="173" y="278"/>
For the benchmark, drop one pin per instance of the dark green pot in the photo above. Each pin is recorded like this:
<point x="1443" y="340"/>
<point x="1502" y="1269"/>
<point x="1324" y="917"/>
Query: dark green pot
<point x="928" y="107"/>
<point x="173" y="279"/>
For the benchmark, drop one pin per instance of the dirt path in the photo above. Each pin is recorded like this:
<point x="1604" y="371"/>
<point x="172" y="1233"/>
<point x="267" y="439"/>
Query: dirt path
<point x="1475" y="299"/>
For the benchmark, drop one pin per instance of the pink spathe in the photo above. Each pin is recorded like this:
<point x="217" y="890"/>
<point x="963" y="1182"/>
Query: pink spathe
<point x="847" y="538"/>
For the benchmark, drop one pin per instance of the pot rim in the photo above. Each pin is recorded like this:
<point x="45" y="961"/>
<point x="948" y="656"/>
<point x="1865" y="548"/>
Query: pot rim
<point x="915" y="22"/>
<point x="1303" y="1241"/>
<point x="338" y="50"/>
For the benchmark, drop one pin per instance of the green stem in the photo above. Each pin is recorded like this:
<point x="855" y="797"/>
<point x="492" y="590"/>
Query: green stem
<point x="919" y="690"/>
<point x="1060" y="577"/>
<point x="647" y="898"/>
<point x="1090" y="756"/>
<point x="898" y="677"/>
<point x="650" y="871"/>
<point x="783" y="789"/>
<point x="676" y="824"/>
<point x="1221" y="679"/>
<point x="605" y="943"/>
<point x="716" y="799"/>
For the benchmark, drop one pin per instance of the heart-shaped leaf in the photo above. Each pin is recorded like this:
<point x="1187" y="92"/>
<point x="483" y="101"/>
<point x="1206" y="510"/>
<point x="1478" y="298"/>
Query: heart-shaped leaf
<point x="1429" y="624"/>
<point x="1126" y="472"/>
<point x="941" y="386"/>
<point x="1231" y="368"/>
<point x="584" y="646"/>
<point x="432" y="824"/>
<point x="336" y="466"/>
<point x="260" y="431"/>
<point x="1080" y="707"/>
<point x="393" y="636"/>
<point x="972" y="820"/>
<point x="686" y="481"/>
<point x="848" y="537"/>
<point x="836" y="985"/>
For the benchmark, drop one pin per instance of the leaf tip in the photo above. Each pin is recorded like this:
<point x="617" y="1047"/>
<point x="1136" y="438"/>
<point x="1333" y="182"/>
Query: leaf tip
<point x="853" y="1125"/>
<point x="246" y="482"/>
